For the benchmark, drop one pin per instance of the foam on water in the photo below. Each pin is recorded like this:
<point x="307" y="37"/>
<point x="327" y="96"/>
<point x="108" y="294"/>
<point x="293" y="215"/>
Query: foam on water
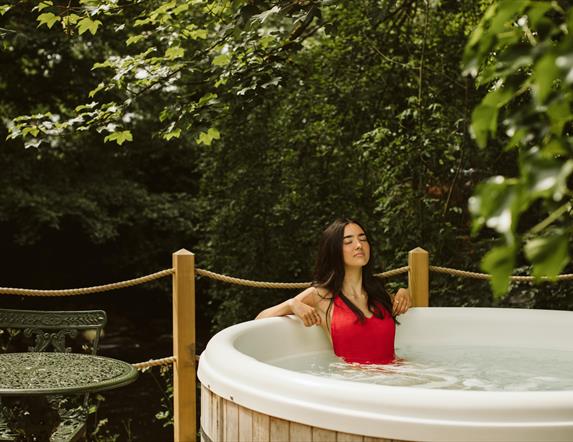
<point x="451" y="367"/>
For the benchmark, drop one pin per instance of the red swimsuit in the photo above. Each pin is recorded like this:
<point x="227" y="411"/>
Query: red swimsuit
<point x="371" y="342"/>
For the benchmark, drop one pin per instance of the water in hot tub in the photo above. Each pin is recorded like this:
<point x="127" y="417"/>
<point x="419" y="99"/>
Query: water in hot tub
<point x="454" y="368"/>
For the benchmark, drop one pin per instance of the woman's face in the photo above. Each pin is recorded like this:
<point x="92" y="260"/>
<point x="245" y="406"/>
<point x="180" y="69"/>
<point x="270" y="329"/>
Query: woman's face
<point x="355" y="247"/>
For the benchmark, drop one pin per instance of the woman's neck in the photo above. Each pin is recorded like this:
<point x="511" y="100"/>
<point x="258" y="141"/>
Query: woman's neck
<point x="352" y="284"/>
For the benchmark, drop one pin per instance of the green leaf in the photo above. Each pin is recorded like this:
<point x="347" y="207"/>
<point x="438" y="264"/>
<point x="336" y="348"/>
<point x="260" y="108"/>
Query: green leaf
<point x="119" y="137"/>
<point x="477" y="33"/>
<point x="174" y="52"/>
<point x="181" y="8"/>
<point x="499" y="97"/>
<point x="87" y="24"/>
<point x="105" y="64"/>
<point x="555" y="146"/>
<point x="266" y="41"/>
<point x="69" y="20"/>
<point x="221" y="60"/>
<point x="545" y="72"/>
<point x="165" y="114"/>
<point x="32" y="130"/>
<point x="518" y="135"/>
<point x="206" y="99"/>
<point x="484" y="121"/>
<point x="546" y="177"/>
<point x="198" y="34"/>
<point x="44" y="4"/>
<point x="214" y="133"/>
<point x="141" y="22"/>
<point x="175" y="133"/>
<point x="497" y="19"/>
<point x="134" y="39"/>
<point x="507" y="10"/>
<point x="48" y="19"/>
<point x="559" y="114"/>
<point x="4" y="9"/>
<point x="499" y="263"/>
<point x="497" y="204"/>
<point x="549" y="255"/>
<point x="98" y="88"/>
<point x="512" y="59"/>
<point x="208" y="137"/>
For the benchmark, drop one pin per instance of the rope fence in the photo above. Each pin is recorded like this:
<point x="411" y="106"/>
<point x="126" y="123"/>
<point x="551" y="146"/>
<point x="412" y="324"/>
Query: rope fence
<point x="486" y="276"/>
<point x="253" y="283"/>
<point x="167" y="272"/>
<point x="281" y="285"/>
<point x="169" y="361"/>
<point x="86" y="290"/>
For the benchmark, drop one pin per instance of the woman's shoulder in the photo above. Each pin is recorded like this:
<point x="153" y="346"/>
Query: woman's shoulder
<point x="322" y="293"/>
<point x="313" y="295"/>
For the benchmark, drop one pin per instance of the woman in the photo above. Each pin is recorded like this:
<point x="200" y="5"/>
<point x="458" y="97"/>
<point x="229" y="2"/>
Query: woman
<point x="347" y="300"/>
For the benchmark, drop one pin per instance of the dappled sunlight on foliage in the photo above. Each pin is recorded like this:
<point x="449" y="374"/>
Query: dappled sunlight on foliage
<point x="239" y="129"/>
<point x="521" y="54"/>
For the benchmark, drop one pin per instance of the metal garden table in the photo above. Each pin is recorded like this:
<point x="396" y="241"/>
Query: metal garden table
<point x="39" y="373"/>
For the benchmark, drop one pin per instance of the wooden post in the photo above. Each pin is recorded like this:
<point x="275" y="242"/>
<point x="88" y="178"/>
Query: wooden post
<point x="418" y="277"/>
<point x="184" y="347"/>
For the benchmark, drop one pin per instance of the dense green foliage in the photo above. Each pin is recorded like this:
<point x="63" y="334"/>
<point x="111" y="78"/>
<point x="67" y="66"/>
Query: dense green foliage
<point x="239" y="129"/>
<point x="523" y="52"/>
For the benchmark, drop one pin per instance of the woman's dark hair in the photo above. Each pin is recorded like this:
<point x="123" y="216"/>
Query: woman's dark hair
<point x="329" y="272"/>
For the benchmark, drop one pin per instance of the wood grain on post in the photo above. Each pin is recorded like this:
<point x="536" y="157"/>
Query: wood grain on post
<point x="418" y="277"/>
<point x="184" y="347"/>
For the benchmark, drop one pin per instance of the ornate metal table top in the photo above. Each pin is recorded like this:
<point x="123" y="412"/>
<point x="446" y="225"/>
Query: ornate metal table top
<point x="37" y="373"/>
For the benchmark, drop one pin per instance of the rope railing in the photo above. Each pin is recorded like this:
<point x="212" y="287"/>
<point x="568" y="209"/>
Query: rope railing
<point x="486" y="276"/>
<point x="252" y="283"/>
<point x="86" y="290"/>
<point x="243" y="282"/>
<point x="170" y="360"/>
<point x="281" y="285"/>
<point x="167" y="272"/>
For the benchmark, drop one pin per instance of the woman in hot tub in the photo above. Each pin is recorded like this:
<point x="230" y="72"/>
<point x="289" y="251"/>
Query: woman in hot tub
<point x="347" y="300"/>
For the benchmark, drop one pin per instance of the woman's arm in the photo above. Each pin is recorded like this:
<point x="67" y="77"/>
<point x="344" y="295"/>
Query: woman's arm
<point x="402" y="301"/>
<point x="302" y="305"/>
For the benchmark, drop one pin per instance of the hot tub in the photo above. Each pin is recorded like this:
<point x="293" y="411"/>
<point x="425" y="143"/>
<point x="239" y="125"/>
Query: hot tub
<point x="245" y="396"/>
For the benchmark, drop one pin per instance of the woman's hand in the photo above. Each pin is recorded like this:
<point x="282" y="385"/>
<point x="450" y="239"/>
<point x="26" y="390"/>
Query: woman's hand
<point x="306" y="313"/>
<point x="402" y="301"/>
